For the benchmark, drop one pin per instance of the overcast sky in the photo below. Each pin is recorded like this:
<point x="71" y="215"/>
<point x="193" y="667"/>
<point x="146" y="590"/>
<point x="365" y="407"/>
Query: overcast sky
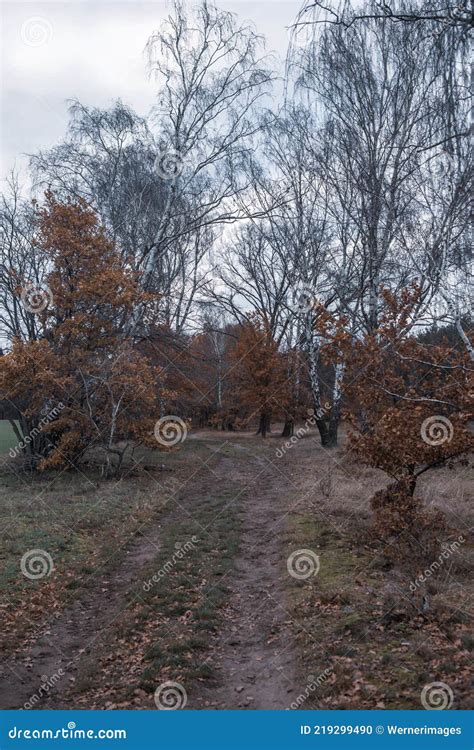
<point x="92" y="50"/>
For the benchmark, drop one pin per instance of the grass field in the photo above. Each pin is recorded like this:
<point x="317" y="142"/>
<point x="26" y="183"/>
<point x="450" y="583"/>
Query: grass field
<point x="130" y="603"/>
<point x="8" y="438"/>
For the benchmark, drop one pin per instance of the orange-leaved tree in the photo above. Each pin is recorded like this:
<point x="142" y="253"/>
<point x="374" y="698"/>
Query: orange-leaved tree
<point x="258" y="373"/>
<point x="411" y="408"/>
<point x="82" y="385"/>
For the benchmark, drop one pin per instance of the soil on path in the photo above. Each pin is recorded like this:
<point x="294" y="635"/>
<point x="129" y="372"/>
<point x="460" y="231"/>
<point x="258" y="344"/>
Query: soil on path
<point x="252" y="656"/>
<point x="254" y="653"/>
<point x="35" y="678"/>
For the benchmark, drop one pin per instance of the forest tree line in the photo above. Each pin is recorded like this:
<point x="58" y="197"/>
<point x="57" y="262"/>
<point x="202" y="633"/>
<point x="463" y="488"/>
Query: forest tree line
<point x="275" y="242"/>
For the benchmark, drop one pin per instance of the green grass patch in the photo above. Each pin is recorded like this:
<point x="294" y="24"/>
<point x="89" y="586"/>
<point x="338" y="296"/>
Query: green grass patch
<point x="378" y="650"/>
<point x="8" y="439"/>
<point x="188" y="591"/>
<point x="81" y="522"/>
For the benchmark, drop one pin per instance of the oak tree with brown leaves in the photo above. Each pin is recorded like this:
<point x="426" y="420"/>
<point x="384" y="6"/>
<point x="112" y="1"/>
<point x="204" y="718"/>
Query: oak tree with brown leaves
<point x="411" y="411"/>
<point x="257" y="371"/>
<point x="83" y="371"/>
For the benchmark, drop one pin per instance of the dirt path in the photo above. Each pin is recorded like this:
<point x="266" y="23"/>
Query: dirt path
<point x="254" y="653"/>
<point x="67" y="640"/>
<point x="252" y="657"/>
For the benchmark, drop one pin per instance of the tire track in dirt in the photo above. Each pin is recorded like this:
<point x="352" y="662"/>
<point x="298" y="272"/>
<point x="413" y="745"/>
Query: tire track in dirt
<point x="253" y="655"/>
<point x="66" y="642"/>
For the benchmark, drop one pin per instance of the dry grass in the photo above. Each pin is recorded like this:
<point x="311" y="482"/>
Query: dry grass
<point x="358" y="617"/>
<point x="84" y="524"/>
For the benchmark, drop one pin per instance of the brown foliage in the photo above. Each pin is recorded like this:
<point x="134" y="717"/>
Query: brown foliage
<point x="84" y="372"/>
<point x="411" y="401"/>
<point x="258" y="373"/>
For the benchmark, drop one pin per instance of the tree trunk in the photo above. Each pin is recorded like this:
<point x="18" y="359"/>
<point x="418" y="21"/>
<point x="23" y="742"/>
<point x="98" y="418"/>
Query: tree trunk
<point x="332" y="432"/>
<point x="333" y="425"/>
<point x="288" y="428"/>
<point x="323" y="429"/>
<point x="313" y="345"/>
<point x="264" y="425"/>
